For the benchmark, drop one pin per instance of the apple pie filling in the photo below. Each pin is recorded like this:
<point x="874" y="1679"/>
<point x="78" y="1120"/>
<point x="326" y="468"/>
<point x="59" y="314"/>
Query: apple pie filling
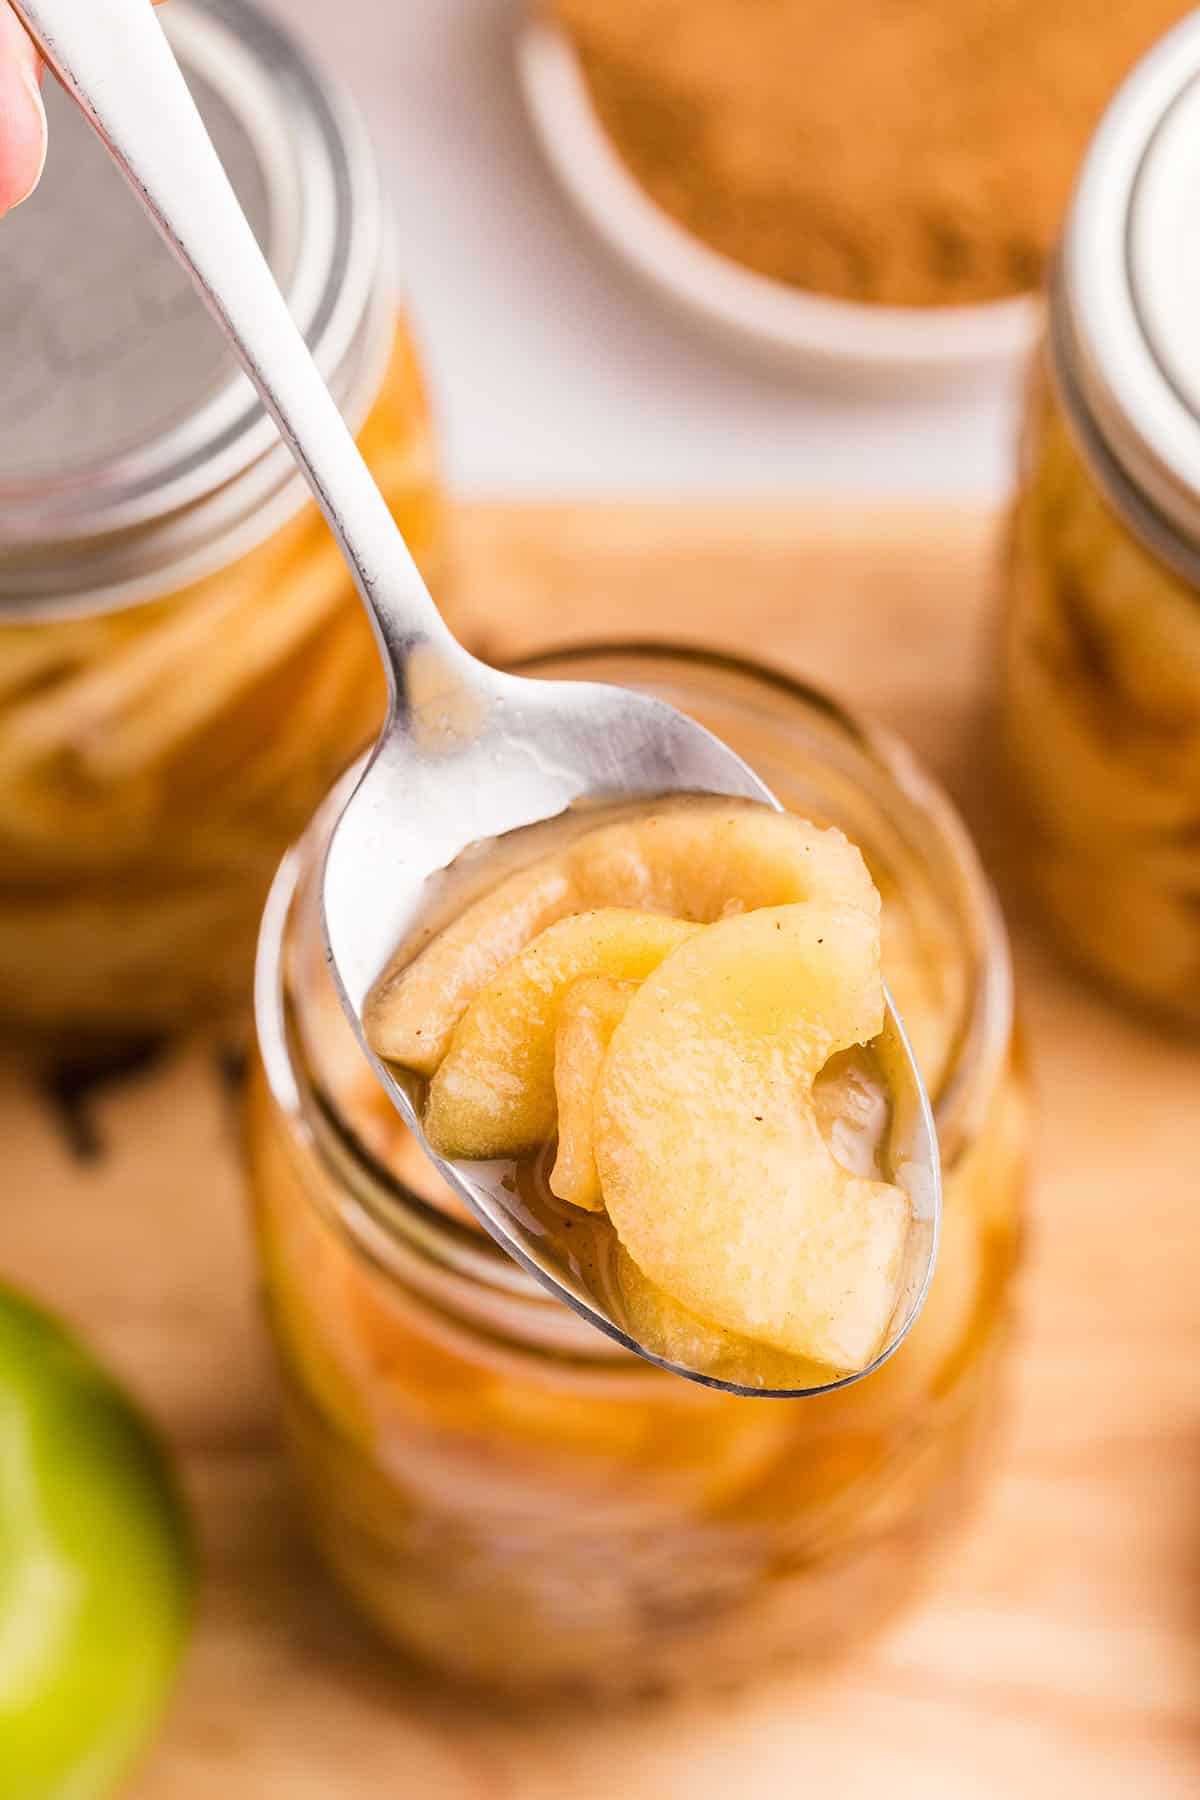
<point x="641" y="1022"/>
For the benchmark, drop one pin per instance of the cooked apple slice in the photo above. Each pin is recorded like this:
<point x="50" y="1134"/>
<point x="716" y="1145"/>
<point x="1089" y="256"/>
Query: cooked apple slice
<point x="412" y="1010"/>
<point x="926" y="979"/>
<point x="693" y="859"/>
<point x="713" y="1167"/>
<point x="669" y="1330"/>
<point x="494" y="1093"/>
<point x="591" y="1010"/>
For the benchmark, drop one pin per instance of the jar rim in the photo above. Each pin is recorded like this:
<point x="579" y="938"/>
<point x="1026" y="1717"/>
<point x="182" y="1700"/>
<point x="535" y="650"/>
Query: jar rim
<point x="383" y="1208"/>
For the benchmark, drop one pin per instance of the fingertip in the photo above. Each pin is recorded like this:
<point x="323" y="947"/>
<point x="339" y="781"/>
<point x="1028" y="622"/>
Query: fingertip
<point x="23" y="130"/>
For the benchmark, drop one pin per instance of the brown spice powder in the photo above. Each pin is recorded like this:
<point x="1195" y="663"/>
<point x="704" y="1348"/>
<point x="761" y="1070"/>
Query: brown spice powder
<point x="918" y="152"/>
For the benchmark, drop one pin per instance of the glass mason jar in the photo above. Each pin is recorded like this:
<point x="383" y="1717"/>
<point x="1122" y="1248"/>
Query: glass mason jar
<point x="1100" y="669"/>
<point x="514" y="1499"/>
<point x="184" y="665"/>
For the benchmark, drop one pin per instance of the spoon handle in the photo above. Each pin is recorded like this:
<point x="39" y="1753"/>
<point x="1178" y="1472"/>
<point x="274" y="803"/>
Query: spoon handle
<point x="115" y="62"/>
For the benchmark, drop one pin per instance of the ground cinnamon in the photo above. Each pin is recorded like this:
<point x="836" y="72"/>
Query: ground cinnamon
<point x="909" y="151"/>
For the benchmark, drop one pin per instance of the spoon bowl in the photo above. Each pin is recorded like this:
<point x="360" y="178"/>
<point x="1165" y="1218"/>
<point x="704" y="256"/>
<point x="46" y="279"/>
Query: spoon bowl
<point x="467" y="753"/>
<point x="534" y="750"/>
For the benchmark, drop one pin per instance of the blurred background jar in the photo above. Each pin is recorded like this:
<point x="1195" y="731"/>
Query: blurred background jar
<point x="517" y="1501"/>
<point x="184" y="665"/>
<point x="1101" y="649"/>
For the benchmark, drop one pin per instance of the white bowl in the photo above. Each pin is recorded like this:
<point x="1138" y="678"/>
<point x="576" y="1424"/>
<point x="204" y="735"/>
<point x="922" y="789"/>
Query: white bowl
<point x="904" y="343"/>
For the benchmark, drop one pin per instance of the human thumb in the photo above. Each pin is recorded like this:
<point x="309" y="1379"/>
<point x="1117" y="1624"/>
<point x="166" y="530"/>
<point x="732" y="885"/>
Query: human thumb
<point x="22" y="115"/>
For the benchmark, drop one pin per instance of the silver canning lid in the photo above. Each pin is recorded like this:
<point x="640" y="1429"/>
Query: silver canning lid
<point x="1126" y="306"/>
<point x="134" y="455"/>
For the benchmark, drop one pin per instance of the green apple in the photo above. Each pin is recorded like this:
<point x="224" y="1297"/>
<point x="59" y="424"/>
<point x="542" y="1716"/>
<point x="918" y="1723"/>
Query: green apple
<point x="95" y="1567"/>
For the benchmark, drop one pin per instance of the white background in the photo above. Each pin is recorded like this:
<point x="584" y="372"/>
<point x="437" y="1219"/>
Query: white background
<point x="553" y="371"/>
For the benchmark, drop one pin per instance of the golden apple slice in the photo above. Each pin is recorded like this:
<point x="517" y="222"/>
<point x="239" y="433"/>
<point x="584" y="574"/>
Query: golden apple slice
<point x="669" y="1330"/>
<point x="494" y="1093"/>
<point x="412" y="1010"/>
<point x="926" y="979"/>
<point x="712" y="1163"/>
<point x="693" y="859"/>
<point x="591" y="1010"/>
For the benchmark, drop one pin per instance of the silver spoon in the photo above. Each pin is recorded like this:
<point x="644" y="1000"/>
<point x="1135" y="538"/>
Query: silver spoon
<point x="466" y="753"/>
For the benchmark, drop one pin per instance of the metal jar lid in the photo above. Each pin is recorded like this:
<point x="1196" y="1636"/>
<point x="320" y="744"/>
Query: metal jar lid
<point x="1125" y="312"/>
<point x="134" y="454"/>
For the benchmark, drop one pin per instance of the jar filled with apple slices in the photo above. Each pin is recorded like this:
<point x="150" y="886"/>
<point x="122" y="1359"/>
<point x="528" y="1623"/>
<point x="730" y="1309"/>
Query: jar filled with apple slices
<point x="1100" y="663"/>
<point x="517" y="1500"/>
<point x="185" y="665"/>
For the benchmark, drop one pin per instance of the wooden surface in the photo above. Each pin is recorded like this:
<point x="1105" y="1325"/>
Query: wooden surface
<point x="1057" y="1654"/>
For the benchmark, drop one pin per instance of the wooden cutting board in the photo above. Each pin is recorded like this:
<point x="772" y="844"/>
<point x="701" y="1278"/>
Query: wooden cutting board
<point x="1057" y="1653"/>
